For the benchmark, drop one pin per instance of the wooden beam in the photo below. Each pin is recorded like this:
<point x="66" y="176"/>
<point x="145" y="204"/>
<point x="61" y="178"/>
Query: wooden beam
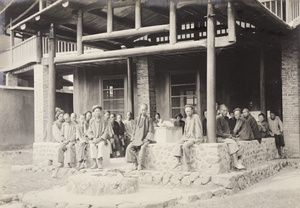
<point x="185" y="46"/>
<point x="52" y="83"/>
<point x="129" y="87"/>
<point x="125" y="33"/>
<point x="211" y="75"/>
<point x="52" y="6"/>
<point x="198" y="93"/>
<point x="103" y="4"/>
<point x="110" y="17"/>
<point x="173" y="28"/>
<point x="262" y="81"/>
<point x="231" y="22"/>
<point x="79" y="32"/>
<point x="138" y="14"/>
<point x="41" y="5"/>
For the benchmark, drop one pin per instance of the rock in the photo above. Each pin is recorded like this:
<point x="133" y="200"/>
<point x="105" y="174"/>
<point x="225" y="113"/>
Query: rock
<point x="213" y="159"/>
<point x="241" y="183"/>
<point x="219" y="192"/>
<point x="197" y="183"/>
<point x="157" y="179"/>
<point x="16" y="168"/>
<point x="193" y="176"/>
<point x="188" y="198"/>
<point x="77" y="206"/>
<point x="126" y="205"/>
<point x="186" y="181"/>
<point x="130" y="190"/>
<point x="148" y="178"/>
<point x="205" y="195"/>
<point x="7" y="198"/>
<point x="224" y="180"/>
<point x="46" y="204"/>
<point x="174" y="180"/>
<point x="205" y="179"/>
<point x="61" y="205"/>
<point x="179" y="176"/>
<point x="34" y="169"/>
<point x="166" y="178"/>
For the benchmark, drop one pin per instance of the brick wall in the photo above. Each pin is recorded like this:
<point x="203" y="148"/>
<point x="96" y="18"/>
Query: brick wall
<point x="291" y="93"/>
<point x="41" y="80"/>
<point x="145" y="74"/>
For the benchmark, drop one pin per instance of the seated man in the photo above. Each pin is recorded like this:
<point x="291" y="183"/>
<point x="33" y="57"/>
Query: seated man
<point x="192" y="134"/>
<point x="122" y="136"/>
<point x="253" y="124"/>
<point x="68" y="139"/>
<point x="98" y="137"/>
<point x="242" y="129"/>
<point x="113" y="129"/>
<point x="224" y="136"/>
<point x="82" y="141"/>
<point x="143" y="134"/>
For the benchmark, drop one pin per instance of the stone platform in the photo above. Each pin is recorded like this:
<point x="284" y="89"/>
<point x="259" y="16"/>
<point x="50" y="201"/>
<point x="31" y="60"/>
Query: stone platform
<point x="102" y="183"/>
<point x="210" y="158"/>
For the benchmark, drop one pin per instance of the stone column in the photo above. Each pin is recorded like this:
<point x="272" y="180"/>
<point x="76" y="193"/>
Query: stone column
<point x="41" y="85"/>
<point x="291" y="93"/>
<point x="146" y="83"/>
<point x="11" y="79"/>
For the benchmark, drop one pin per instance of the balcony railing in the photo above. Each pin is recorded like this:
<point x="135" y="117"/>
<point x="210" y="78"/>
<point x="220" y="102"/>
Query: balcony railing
<point x="287" y="10"/>
<point x="25" y="52"/>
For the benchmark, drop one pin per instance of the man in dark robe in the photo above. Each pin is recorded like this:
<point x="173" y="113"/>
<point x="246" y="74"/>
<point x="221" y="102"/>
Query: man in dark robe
<point x="253" y="124"/>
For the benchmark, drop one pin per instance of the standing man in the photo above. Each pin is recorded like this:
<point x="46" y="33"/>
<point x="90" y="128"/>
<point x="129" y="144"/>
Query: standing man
<point x="113" y="129"/>
<point x="82" y="141"/>
<point x="121" y="135"/>
<point x="192" y="134"/>
<point x="129" y="127"/>
<point x="242" y="129"/>
<point x="276" y="130"/>
<point x="224" y="136"/>
<point x="143" y="135"/>
<point x="253" y="124"/>
<point x="68" y="140"/>
<point x="204" y="125"/>
<point x="99" y="139"/>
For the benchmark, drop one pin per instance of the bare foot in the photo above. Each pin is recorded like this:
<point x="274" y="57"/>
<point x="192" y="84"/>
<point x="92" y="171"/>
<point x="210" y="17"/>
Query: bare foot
<point x="140" y="167"/>
<point x="94" y="166"/>
<point x="60" y="165"/>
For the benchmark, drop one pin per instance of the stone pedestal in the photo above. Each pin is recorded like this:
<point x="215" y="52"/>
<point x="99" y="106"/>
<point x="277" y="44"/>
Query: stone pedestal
<point x="165" y="135"/>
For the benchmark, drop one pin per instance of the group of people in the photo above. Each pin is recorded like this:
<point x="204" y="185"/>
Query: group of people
<point x="100" y="131"/>
<point x="242" y="126"/>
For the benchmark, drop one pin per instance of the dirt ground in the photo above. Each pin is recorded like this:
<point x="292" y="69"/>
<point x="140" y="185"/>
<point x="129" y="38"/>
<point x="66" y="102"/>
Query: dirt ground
<point x="22" y="182"/>
<point x="279" y="191"/>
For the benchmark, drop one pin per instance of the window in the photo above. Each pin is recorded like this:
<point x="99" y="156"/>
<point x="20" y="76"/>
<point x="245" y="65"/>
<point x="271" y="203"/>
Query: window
<point x="183" y="92"/>
<point x="113" y="96"/>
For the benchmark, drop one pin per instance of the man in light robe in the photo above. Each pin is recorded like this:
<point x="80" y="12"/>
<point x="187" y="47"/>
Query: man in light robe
<point x="242" y="129"/>
<point x="74" y="118"/>
<point x="57" y="125"/>
<point x="143" y="135"/>
<point x="193" y="133"/>
<point x="82" y="142"/>
<point x="68" y="140"/>
<point x="224" y="136"/>
<point x="129" y="125"/>
<point x="276" y="131"/>
<point x="98" y="137"/>
<point x="253" y="124"/>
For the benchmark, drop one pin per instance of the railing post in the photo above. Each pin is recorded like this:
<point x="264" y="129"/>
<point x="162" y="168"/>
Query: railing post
<point x="79" y="32"/>
<point x="138" y="14"/>
<point x="173" y="30"/>
<point x="110" y="17"/>
<point x="39" y="49"/>
<point x="12" y="42"/>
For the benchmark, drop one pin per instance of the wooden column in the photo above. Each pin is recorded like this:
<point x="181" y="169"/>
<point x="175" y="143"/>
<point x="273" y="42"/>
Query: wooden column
<point x="262" y="81"/>
<point x="211" y="75"/>
<point x="52" y="83"/>
<point x="79" y="32"/>
<point x="110" y="17"/>
<point x="129" y="85"/>
<point x="138" y="14"/>
<point x="173" y="30"/>
<point x="39" y="49"/>
<point x="41" y="5"/>
<point x="231" y="22"/>
<point x="12" y="42"/>
<point x="198" y="84"/>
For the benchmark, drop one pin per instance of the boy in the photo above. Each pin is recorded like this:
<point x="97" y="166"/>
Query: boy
<point x="82" y="141"/>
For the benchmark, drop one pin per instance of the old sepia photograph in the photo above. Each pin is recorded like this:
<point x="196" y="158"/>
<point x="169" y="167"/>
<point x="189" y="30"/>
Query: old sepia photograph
<point x="149" y="103"/>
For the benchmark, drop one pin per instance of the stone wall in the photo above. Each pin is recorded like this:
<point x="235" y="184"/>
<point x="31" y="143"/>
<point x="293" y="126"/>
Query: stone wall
<point x="291" y="93"/>
<point x="210" y="158"/>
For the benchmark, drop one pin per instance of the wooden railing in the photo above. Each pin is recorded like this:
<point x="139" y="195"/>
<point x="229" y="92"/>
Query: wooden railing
<point x="24" y="52"/>
<point x="287" y="10"/>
